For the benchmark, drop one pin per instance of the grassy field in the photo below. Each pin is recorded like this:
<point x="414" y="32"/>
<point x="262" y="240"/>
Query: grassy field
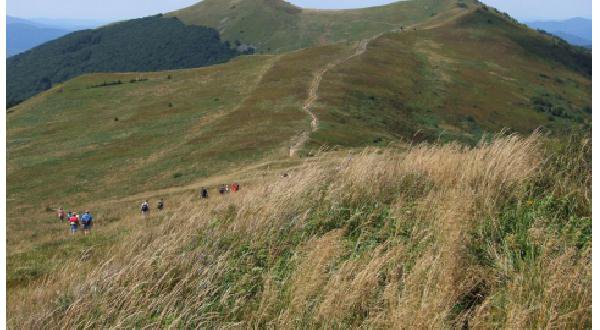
<point x="429" y="236"/>
<point x="106" y="141"/>
<point x="275" y="26"/>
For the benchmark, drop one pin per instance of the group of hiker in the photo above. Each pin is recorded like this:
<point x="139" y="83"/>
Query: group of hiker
<point x="76" y="220"/>
<point x="145" y="207"/>
<point x="226" y="189"/>
<point x="85" y="219"/>
<point x="223" y="189"/>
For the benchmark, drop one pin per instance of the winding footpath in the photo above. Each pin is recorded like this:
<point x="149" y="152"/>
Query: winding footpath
<point x="313" y="94"/>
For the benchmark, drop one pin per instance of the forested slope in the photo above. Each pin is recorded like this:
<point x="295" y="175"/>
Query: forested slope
<point x="145" y="44"/>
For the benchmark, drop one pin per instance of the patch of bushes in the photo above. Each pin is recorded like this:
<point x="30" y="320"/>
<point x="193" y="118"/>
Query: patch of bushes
<point x="107" y="83"/>
<point x="553" y="105"/>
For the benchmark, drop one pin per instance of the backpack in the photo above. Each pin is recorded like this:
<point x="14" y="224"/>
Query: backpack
<point x="145" y="207"/>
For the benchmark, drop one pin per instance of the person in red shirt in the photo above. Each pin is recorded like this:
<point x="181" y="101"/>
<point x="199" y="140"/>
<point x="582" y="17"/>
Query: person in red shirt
<point x="74" y="223"/>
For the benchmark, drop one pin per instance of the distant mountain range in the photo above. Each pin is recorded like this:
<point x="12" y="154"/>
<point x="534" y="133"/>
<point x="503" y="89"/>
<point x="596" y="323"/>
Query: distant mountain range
<point x="576" y="31"/>
<point x="24" y="34"/>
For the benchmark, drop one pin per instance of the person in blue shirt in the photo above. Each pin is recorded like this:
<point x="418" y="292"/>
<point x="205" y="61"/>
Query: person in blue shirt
<point x="86" y="221"/>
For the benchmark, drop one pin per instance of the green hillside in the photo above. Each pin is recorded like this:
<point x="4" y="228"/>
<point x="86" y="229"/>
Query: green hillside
<point x="153" y="131"/>
<point x="106" y="141"/>
<point x="274" y="26"/>
<point x="415" y="85"/>
<point x="145" y="44"/>
<point x="481" y="73"/>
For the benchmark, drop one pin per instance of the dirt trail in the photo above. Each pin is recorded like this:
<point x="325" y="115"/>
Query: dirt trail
<point x="313" y="94"/>
<point x="244" y="175"/>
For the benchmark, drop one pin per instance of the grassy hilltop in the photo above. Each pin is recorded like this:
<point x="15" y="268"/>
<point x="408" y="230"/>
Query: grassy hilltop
<point x="274" y="26"/>
<point x="380" y="226"/>
<point x="479" y="73"/>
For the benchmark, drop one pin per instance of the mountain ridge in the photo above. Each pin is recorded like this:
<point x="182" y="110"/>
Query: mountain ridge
<point x="23" y="34"/>
<point x="273" y="23"/>
<point x="274" y="26"/>
<point x="577" y="31"/>
<point x="21" y="37"/>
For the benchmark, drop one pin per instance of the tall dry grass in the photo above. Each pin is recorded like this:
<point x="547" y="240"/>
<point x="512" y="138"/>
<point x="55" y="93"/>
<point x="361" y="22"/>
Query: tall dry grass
<point x="430" y="237"/>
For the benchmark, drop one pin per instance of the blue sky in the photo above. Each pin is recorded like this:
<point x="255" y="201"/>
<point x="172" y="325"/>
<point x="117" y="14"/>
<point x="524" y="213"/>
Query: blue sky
<point x="121" y="9"/>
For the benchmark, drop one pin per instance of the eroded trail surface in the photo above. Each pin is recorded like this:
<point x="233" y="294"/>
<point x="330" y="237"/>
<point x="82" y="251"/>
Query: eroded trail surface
<point x="313" y="94"/>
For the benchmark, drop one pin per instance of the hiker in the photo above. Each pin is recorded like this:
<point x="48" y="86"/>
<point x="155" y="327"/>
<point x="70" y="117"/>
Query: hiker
<point x="222" y="190"/>
<point x="227" y="189"/>
<point x="234" y="187"/>
<point x="145" y="208"/>
<point x="61" y="214"/>
<point x="161" y="205"/>
<point x="73" y="223"/>
<point x="204" y="193"/>
<point x="86" y="220"/>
